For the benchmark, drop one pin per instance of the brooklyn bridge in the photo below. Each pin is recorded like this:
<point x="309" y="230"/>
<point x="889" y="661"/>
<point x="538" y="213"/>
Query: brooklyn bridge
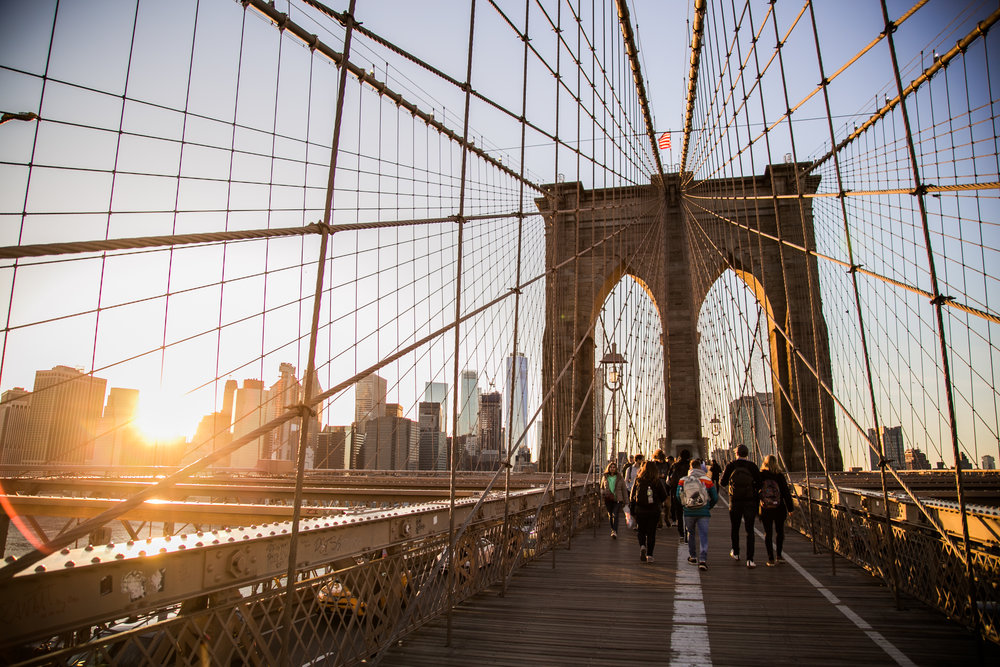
<point x="322" y="322"/>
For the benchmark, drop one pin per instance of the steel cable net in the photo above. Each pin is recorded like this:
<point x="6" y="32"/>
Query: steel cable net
<point x="208" y="250"/>
<point x="880" y="142"/>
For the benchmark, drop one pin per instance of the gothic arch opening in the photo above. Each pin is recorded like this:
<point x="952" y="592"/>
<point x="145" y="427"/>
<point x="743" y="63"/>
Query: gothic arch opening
<point x="631" y="418"/>
<point x="736" y="356"/>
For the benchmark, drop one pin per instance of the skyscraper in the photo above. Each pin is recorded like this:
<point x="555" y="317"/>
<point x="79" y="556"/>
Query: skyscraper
<point x="433" y="450"/>
<point x="468" y="415"/>
<point x="892" y="440"/>
<point x="369" y="398"/>
<point x="490" y="429"/>
<point x="515" y="396"/>
<point x="65" y="407"/>
<point x="752" y="422"/>
<point x="118" y="441"/>
<point x="13" y="423"/>
<point x="248" y="415"/>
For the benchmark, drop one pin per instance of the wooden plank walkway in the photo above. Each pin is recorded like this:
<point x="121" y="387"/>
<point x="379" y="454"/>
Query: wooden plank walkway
<point x="600" y="606"/>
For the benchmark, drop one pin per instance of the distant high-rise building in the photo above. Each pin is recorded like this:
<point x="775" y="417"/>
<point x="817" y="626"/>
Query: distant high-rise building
<point x="989" y="463"/>
<point x="249" y="414"/>
<point x="491" y="443"/>
<point x="964" y="462"/>
<point x="389" y="442"/>
<point x="213" y="433"/>
<point x="393" y="410"/>
<point x="468" y="407"/>
<point x="369" y="398"/>
<point x="333" y="446"/>
<point x="64" y="409"/>
<point x="433" y="446"/>
<point x="515" y="397"/>
<point x="914" y="459"/>
<point x="752" y="423"/>
<point x="892" y="440"/>
<point x="118" y="440"/>
<point x="13" y="422"/>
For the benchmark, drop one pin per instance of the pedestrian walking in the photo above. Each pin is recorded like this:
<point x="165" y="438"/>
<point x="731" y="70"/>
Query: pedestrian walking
<point x="742" y="480"/>
<point x="663" y="472"/>
<point x="714" y="470"/>
<point x="613" y="493"/>
<point x="681" y="467"/>
<point x="697" y="495"/>
<point x="646" y="499"/>
<point x="775" y="506"/>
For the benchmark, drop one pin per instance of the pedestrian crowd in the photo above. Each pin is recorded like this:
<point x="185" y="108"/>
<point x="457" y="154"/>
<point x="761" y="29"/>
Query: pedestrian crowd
<point x="681" y="492"/>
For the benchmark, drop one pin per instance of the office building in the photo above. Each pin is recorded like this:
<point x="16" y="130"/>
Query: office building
<point x="369" y="398"/>
<point x="249" y="414"/>
<point x="65" y="407"/>
<point x="468" y="406"/>
<point x="389" y="442"/>
<point x="333" y="447"/>
<point x="118" y="441"/>
<point x="892" y="440"/>
<point x="915" y="459"/>
<point x="752" y="423"/>
<point x="989" y="463"/>
<point x="433" y="446"/>
<point x="515" y="396"/>
<point x="13" y="422"/>
<point x="491" y="443"/>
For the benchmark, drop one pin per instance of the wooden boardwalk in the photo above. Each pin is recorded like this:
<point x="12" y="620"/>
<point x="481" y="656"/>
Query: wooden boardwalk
<point x="600" y="606"/>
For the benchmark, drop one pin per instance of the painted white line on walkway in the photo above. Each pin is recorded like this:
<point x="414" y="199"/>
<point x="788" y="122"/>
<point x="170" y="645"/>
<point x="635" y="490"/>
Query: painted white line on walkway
<point x="689" y="634"/>
<point x="861" y="623"/>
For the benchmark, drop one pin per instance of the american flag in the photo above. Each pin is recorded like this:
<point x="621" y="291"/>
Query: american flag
<point x="664" y="141"/>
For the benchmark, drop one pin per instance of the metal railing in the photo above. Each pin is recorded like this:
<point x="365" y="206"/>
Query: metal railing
<point x="385" y="576"/>
<point x="902" y="545"/>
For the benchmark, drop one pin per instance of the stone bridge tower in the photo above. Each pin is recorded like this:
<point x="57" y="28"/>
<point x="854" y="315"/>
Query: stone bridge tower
<point x="657" y="234"/>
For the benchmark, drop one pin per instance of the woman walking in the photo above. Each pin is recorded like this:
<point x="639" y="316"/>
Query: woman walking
<point x="775" y="506"/>
<point x="613" y="492"/>
<point x="646" y="500"/>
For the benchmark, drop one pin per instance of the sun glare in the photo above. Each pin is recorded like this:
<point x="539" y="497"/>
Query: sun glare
<point x="163" y="418"/>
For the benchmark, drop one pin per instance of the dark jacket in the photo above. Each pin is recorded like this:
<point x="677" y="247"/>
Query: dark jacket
<point x="754" y="471"/>
<point x="639" y="488"/>
<point x="786" y="494"/>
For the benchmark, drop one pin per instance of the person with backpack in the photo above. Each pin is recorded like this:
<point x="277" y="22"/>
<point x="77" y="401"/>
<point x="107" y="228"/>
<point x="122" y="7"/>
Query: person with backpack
<point x="680" y="469"/>
<point x="697" y="495"/>
<point x="775" y="506"/>
<point x="663" y="472"/>
<point x="742" y="479"/>
<point x="645" y="500"/>
<point x="613" y="493"/>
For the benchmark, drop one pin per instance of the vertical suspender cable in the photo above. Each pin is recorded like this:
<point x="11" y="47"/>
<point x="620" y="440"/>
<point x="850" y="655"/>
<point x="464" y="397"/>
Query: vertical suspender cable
<point x="305" y="411"/>
<point x="453" y="570"/>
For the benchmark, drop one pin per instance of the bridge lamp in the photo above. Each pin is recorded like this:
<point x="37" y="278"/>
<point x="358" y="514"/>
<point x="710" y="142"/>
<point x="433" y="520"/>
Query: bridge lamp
<point x="716" y="429"/>
<point x="613" y="362"/>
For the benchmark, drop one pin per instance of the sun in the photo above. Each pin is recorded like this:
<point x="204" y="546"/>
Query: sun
<point x="161" y="417"/>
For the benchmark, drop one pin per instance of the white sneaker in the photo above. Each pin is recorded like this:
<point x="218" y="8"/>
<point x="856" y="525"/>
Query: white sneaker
<point x="751" y="565"/>
<point x="734" y="555"/>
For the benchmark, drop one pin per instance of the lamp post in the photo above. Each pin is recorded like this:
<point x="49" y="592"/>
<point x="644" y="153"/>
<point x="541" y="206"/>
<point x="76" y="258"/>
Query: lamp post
<point x="716" y="429"/>
<point x="613" y="362"/>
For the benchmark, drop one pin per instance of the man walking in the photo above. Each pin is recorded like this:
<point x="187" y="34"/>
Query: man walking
<point x="680" y="468"/>
<point x="697" y="496"/>
<point x="742" y="479"/>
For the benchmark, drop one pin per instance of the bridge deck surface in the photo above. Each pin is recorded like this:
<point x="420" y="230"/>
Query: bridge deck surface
<point x="601" y="606"/>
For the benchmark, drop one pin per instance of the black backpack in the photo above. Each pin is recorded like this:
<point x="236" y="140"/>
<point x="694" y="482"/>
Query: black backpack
<point x="770" y="494"/>
<point x="741" y="484"/>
